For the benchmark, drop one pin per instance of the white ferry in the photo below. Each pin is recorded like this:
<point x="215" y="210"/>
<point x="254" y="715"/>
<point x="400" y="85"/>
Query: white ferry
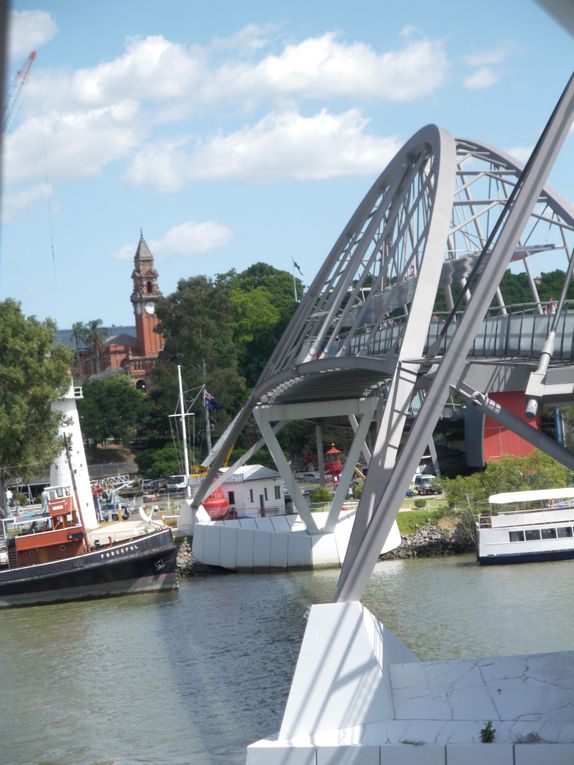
<point x="527" y="526"/>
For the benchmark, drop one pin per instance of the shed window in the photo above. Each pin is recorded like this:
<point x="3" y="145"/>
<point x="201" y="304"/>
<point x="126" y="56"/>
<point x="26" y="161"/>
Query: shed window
<point x="277" y="492"/>
<point x="266" y="497"/>
<point x="231" y="495"/>
<point x="251" y="495"/>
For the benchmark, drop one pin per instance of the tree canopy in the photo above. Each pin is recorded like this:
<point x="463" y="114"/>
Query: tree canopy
<point x="34" y="371"/>
<point x="111" y="408"/>
<point x="536" y="471"/>
<point x="222" y="331"/>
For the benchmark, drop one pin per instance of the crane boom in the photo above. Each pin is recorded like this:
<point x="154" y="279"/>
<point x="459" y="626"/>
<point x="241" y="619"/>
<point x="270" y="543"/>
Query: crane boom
<point x="22" y="76"/>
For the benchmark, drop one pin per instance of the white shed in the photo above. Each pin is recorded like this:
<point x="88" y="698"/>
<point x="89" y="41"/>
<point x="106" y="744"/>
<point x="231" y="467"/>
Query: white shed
<point x="255" y="490"/>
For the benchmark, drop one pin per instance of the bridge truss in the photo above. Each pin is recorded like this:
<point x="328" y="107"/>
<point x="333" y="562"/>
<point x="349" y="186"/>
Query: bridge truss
<point x="398" y="309"/>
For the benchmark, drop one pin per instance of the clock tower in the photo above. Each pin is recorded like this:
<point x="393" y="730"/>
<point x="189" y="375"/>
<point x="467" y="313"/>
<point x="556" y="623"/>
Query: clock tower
<point x="144" y="298"/>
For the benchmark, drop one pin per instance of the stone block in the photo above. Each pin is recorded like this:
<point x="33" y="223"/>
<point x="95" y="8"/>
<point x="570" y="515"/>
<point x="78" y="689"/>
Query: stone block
<point x="245" y="547"/>
<point x="413" y="754"/>
<point x="270" y="753"/>
<point x="299" y="555"/>
<point x="535" y="754"/>
<point x="348" y="755"/>
<point x="261" y="550"/>
<point x="279" y="547"/>
<point x="228" y="547"/>
<point x="480" y="754"/>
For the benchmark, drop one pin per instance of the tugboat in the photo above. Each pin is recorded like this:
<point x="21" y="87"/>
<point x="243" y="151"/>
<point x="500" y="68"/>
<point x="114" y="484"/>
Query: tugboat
<point x="58" y="551"/>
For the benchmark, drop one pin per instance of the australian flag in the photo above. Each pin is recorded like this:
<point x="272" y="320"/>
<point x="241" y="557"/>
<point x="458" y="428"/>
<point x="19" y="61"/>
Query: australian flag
<point x="210" y="402"/>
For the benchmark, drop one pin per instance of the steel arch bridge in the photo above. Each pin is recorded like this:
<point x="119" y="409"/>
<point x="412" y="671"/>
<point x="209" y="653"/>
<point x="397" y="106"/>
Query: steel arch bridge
<point x="408" y="303"/>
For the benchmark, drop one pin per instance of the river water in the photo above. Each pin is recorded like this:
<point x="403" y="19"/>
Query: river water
<point x="192" y="677"/>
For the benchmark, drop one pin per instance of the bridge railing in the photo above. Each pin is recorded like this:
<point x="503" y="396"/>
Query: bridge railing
<point x="519" y="332"/>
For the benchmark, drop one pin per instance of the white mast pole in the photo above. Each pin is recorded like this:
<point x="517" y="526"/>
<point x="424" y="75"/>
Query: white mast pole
<point x="183" y="434"/>
<point x="186" y="518"/>
<point x="207" y="427"/>
<point x="294" y="281"/>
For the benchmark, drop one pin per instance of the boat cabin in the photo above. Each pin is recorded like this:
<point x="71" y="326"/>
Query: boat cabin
<point x="526" y="526"/>
<point x="44" y="533"/>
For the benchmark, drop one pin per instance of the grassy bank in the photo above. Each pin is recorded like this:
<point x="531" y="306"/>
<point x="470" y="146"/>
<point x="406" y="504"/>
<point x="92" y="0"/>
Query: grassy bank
<point x="409" y="522"/>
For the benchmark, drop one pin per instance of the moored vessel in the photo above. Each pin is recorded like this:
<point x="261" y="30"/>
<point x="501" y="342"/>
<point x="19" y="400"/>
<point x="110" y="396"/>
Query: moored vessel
<point x="531" y="526"/>
<point x="58" y="551"/>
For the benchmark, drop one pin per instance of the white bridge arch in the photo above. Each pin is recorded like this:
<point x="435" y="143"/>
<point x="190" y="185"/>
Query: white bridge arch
<point x="418" y="263"/>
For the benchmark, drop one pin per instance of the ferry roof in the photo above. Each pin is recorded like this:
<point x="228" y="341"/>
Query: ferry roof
<point x="531" y="496"/>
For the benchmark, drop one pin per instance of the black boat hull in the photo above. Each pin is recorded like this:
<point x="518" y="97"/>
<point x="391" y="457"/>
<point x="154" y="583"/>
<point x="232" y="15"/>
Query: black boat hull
<point x="143" y="564"/>
<point x="532" y="557"/>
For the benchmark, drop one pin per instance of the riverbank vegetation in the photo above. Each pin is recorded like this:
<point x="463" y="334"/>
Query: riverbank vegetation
<point x="465" y="497"/>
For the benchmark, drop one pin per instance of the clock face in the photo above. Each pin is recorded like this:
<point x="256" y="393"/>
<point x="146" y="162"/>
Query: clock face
<point x="150" y="308"/>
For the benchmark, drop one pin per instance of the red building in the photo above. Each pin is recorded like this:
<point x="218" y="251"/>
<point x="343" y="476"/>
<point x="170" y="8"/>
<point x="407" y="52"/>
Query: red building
<point x="137" y="355"/>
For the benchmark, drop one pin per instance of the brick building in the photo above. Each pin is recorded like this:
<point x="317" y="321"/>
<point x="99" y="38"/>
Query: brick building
<point x="136" y="355"/>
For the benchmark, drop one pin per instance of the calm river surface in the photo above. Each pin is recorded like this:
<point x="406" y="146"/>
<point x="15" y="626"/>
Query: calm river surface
<point x="190" y="678"/>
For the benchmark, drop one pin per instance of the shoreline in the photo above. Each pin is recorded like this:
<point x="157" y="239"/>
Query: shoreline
<point x="428" y="541"/>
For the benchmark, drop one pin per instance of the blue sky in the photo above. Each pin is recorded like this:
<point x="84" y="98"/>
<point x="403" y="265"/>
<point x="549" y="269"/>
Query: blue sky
<point x="237" y="132"/>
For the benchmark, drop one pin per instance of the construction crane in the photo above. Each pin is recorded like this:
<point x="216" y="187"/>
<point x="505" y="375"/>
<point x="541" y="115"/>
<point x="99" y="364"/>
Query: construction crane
<point x="22" y="76"/>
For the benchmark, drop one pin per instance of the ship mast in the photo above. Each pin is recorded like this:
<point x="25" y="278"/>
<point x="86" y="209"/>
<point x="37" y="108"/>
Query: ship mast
<point x="184" y="433"/>
<point x="186" y="519"/>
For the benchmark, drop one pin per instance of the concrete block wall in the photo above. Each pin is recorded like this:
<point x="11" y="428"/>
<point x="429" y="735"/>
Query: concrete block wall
<point x="272" y="753"/>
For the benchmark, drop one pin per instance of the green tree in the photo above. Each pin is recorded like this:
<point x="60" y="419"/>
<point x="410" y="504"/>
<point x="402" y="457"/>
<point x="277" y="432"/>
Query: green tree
<point x="197" y="322"/>
<point x="34" y="371"/>
<point x="94" y="336"/>
<point x="80" y="334"/>
<point x="157" y="463"/>
<point x="111" y="408"/>
<point x="222" y="332"/>
<point x="536" y="471"/>
<point x="264" y="302"/>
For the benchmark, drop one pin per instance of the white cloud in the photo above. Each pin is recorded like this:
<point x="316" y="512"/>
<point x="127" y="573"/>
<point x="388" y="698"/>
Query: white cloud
<point x="70" y="145"/>
<point x="14" y="204"/>
<point x="323" y="67"/>
<point x="521" y="153"/>
<point x="483" y="78"/>
<point x="237" y="72"/>
<point x="189" y="238"/>
<point x="282" y="145"/>
<point x="28" y="31"/>
<point x="95" y="116"/>
<point x="248" y="40"/>
<point x="492" y="56"/>
<point x="151" y="68"/>
<point x="487" y="61"/>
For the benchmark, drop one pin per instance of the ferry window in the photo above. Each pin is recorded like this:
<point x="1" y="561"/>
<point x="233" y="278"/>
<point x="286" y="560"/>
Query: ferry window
<point x="516" y="536"/>
<point x="548" y="533"/>
<point x="532" y="534"/>
<point x="564" y="531"/>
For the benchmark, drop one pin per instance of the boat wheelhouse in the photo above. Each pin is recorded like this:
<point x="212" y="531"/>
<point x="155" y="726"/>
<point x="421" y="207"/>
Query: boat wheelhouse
<point x="526" y="527"/>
